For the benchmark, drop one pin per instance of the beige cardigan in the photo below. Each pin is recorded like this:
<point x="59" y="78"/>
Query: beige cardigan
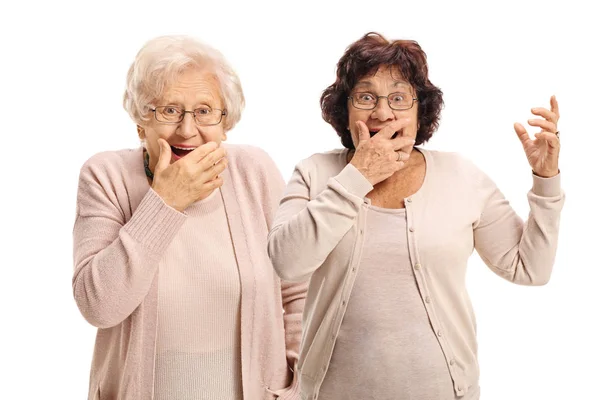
<point x="122" y="229"/>
<point x="319" y="233"/>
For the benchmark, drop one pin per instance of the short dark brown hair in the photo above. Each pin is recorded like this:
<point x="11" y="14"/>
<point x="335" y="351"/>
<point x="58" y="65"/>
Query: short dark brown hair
<point x="363" y="58"/>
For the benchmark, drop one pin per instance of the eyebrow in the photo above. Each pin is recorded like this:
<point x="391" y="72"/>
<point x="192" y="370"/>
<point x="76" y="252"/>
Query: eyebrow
<point x="368" y="84"/>
<point x="204" y="100"/>
<point x="179" y="104"/>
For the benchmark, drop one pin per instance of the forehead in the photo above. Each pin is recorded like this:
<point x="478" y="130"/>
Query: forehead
<point x="192" y="84"/>
<point x="384" y="78"/>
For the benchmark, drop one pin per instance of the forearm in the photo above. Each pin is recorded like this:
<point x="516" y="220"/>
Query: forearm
<point x="524" y="253"/>
<point x="293" y="297"/>
<point x="306" y="231"/>
<point x="115" y="265"/>
<point x="537" y="249"/>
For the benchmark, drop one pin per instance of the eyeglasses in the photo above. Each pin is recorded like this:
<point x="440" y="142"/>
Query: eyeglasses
<point x="368" y="101"/>
<point x="204" y="116"/>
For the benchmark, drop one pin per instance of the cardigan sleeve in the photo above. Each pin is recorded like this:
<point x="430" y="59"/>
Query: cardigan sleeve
<point x="293" y="294"/>
<point x="520" y="251"/>
<point x="115" y="261"/>
<point x="307" y="230"/>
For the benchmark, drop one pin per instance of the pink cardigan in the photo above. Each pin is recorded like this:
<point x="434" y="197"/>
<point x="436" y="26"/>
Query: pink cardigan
<point x="123" y="227"/>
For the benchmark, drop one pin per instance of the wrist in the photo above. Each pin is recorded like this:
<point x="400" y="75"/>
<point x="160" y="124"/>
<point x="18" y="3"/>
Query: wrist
<point x="171" y="202"/>
<point x="546" y="174"/>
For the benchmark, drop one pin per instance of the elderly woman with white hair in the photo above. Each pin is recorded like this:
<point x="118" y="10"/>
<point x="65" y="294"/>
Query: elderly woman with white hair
<point x="170" y="244"/>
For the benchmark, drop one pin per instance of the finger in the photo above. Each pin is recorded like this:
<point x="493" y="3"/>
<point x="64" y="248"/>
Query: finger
<point x="542" y="123"/>
<point x="219" y="167"/>
<point x="164" y="156"/>
<point x="200" y="152"/>
<point x="551" y="139"/>
<point x="363" y="132"/>
<point x="214" y="170"/>
<point x="390" y="129"/>
<point x="212" y="158"/>
<point x="522" y="134"/>
<point x="402" y="156"/>
<point x="403" y="142"/>
<point x="554" y="107"/>
<point x="215" y="183"/>
<point x="545" y="113"/>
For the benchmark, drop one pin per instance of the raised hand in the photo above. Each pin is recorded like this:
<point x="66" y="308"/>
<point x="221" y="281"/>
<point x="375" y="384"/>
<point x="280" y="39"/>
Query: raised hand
<point x="542" y="152"/>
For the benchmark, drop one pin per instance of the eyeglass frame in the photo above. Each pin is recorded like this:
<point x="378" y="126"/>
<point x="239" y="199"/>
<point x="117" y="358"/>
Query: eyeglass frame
<point x="193" y="112"/>
<point x="414" y="99"/>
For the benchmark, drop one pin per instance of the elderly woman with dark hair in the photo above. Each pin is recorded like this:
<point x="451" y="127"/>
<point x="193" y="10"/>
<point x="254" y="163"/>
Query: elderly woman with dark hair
<point x="384" y="231"/>
<point x="170" y="244"/>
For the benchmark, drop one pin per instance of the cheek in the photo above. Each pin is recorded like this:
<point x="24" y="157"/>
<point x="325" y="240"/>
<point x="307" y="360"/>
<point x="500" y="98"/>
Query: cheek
<point x="156" y="132"/>
<point x="215" y="134"/>
<point x="151" y="138"/>
<point x="415" y="115"/>
<point x="353" y="116"/>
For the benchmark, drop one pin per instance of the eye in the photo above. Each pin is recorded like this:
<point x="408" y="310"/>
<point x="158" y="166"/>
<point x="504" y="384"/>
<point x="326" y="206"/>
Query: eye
<point x="171" y="110"/>
<point x="203" y="111"/>
<point x="398" y="97"/>
<point x="365" y="97"/>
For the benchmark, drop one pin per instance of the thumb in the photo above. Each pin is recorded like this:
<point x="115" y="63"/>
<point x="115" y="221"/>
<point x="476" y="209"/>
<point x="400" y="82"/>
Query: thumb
<point x="164" y="157"/>
<point x="363" y="132"/>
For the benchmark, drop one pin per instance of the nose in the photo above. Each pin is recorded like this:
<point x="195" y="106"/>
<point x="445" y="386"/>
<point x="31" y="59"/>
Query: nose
<point x="382" y="110"/>
<point x="187" y="128"/>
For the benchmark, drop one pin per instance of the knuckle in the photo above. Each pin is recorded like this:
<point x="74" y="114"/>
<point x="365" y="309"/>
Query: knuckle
<point x="209" y="161"/>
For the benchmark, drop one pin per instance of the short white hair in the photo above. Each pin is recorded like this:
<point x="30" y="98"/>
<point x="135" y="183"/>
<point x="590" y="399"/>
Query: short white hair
<point x="163" y="58"/>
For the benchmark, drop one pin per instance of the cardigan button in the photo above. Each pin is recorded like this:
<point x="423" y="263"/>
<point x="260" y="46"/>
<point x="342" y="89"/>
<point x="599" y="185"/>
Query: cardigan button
<point x="411" y="229"/>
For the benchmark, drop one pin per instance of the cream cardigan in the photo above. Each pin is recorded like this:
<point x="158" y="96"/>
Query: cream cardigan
<point x="457" y="210"/>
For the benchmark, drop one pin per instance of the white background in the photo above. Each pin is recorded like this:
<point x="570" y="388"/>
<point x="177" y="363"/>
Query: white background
<point x="63" y="69"/>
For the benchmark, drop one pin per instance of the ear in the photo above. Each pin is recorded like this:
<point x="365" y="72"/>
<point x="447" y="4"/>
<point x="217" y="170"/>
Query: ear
<point x="224" y="135"/>
<point x="141" y="132"/>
